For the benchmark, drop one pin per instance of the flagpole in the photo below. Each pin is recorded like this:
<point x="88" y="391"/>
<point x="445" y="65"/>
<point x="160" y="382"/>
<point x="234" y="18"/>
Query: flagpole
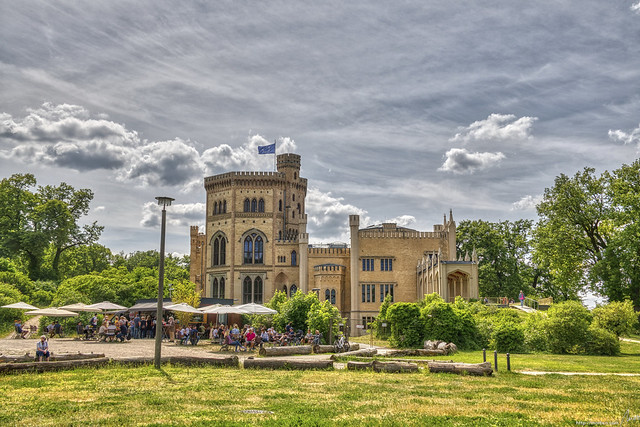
<point x="274" y="154"/>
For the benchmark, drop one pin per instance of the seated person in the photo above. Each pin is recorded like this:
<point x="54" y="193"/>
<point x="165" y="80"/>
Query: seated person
<point x="194" y="336"/>
<point x="231" y="341"/>
<point x="316" y="338"/>
<point x="185" y="335"/>
<point x="250" y="338"/>
<point x="111" y="331"/>
<point x="308" y="339"/>
<point x="122" y="332"/>
<point x="102" y="332"/>
<point x="42" y="348"/>
<point x="264" y="336"/>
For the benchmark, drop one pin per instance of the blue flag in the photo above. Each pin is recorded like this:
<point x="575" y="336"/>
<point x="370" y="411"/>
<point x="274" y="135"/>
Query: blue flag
<point x="267" y="149"/>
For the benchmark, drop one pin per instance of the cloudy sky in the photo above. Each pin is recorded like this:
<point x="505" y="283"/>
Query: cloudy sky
<point x="400" y="110"/>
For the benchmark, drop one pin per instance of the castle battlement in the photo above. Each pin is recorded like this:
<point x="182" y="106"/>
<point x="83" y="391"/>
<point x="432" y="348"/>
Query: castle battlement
<point x="376" y="234"/>
<point x="330" y="251"/>
<point x="330" y="267"/>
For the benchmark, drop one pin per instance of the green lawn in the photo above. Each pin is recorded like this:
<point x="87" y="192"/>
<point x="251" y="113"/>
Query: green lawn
<point x="218" y="396"/>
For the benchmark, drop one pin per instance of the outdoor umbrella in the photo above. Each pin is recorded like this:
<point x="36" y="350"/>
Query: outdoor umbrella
<point x="105" y="306"/>
<point x="20" y="306"/>
<point x="253" y="308"/>
<point x="224" y="309"/>
<point x="75" y="307"/>
<point x="183" y="307"/>
<point x="51" y="312"/>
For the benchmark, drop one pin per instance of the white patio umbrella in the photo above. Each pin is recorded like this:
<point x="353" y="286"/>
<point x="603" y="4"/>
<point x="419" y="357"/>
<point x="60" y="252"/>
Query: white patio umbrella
<point x="183" y="307"/>
<point x="20" y="306"/>
<point x="105" y="306"/>
<point x="224" y="309"/>
<point x="75" y="307"/>
<point x="51" y="312"/>
<point x="253" y="308"/>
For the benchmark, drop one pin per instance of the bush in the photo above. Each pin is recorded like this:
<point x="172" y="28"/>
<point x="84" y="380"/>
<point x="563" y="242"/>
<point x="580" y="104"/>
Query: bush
<point x="535" y="333"/>
<point x="508" y="337"/>
<point x="617" y="317"/>
<point x="602" y="342"/>
<point x="444" y="322"/>
<point x="567" y="327"/>
<point x="407" y="327"/>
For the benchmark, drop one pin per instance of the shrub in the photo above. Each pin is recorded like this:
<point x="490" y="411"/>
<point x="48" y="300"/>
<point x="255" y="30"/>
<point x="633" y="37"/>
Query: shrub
<point x="535" y="333"/>
<point x="602" y="342"/>
<point x="617" y="317"/>
<point x="508" y="337"/>
<point x="567" y="327"/>
<point x="444" y="322"/>
<point x="407" y="327"/>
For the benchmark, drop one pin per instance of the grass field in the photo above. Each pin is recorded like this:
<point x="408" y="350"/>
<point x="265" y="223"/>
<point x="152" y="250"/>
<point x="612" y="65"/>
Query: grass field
<point x="180" y="395"/>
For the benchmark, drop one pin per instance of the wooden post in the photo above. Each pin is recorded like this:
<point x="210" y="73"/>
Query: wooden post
<point x="495" y="359"/>
<point x="484" y="355"/>
<point x="508" y="362"/>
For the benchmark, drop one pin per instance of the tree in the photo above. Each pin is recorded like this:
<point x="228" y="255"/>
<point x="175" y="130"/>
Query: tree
<point x="504" y="255"/>
<point x="185" y="291"/>
<point x="31" y="221"/>
<point x="324" y="316"/>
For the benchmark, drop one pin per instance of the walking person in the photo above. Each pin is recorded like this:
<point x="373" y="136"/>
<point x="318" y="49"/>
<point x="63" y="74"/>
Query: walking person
<point x="521" y="298"/>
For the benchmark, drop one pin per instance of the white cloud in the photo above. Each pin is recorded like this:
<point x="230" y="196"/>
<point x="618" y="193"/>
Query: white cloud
<point x="328" y="216"/>
<point x="632" y="137"/>
<point x="461" y="161"/>
<point x="402" y="220"/>
<point x="497" y="127"/>
<point x="99" y="209"/>
<point x="636" y="8"/>
<point x="528" y="202"/>
<point x="179" y="215"/>
<point x="67" y="136"/>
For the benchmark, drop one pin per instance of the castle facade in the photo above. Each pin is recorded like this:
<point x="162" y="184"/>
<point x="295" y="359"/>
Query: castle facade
<point x="255" y="242"/>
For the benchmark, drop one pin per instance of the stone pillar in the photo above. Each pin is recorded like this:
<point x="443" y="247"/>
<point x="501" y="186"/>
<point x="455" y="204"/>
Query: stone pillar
<point x="303" y="265"/>
<point x="354" y="226"/>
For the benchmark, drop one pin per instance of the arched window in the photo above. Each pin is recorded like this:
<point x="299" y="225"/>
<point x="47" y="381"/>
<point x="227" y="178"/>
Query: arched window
<point x="248" y="250"/>
<point x="293" y="214"/>
<point x="254" y="205"/>
<point x="246" y="290"/>
<point x="214" y="288"/>
<point x="259" y="249"/>
<point x="327" y="295"/>
<point x="261" y="205"/>
<point x="333" y="296"/>
<point x="257" y="290"/>
<point x="223" y="251"/>
<point x="299" y="209"/>
<point x="247" y="205"/>
<point x="215" y="208"/>
<point x="253" y="249"/>
<point x="280" y="235"/>
<point x="216" y="252"/>
<point x="280" y="205"/>
<point x="292" y="291"/>
<point x="221" y="289"/>
<point x="284" y="289"/>
<point x="294" y="258"/>
<point x="224" y="206"/>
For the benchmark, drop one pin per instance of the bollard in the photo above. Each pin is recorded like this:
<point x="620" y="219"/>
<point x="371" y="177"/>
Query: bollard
<point x="508" y="362"/>
<point x="495" y="359"/>
<point x="484" y="355"/>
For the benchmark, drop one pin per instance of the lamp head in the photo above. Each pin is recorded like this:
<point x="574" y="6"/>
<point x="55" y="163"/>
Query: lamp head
<point x="164" y="201"/>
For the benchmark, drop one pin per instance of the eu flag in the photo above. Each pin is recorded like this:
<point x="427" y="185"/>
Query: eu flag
<point x="267" y="149"/>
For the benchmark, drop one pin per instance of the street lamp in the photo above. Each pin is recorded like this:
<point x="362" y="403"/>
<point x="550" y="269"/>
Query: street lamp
<point x="164" y="202"/>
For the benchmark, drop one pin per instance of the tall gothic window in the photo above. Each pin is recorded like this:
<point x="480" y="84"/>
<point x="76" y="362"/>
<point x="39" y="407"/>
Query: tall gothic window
<point x="246" y="290"/>
<point x="215" y="208"/>
<point x="216" y="251"/>
<point x="253" y="249"/>
<point x="280" y="205"/>
<point x="257" y="290"/>
<point x="294" y="258"/>
<point x="261" y="205"/>
<point x="247" y="205"/>
<point x="299" y="208"/>
<point x="327" y="295"/>
<point x="221" y="288"/>
<point x="223" y="251"/>
<point x="254" y="205"/>
<point x="214" y="288"/>
<point x="333" y="296"/>
<point x="224" y="206"/>
<point x="219" y="249"/>
<point x="292" y="291"/>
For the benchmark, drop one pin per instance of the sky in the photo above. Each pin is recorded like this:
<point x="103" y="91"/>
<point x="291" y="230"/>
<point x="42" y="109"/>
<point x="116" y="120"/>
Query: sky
<point x="400" y="110"/>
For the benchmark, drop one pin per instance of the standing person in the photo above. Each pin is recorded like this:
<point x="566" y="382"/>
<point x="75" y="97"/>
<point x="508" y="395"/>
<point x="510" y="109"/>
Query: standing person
<point x="136" y="326"/>
<point x="521" y="298"/>
<point x="143" y="327"/>
<point x="79" y="328"/>
<point x="171" y="325"/>
<point x="42" y="348"/>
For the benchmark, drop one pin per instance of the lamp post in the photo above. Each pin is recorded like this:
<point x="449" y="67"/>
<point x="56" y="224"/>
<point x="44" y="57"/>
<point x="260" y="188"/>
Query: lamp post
<point x="164" y="202"/>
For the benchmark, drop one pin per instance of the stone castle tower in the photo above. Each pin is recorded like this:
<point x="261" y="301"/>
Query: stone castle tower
<point x="256" y="239"/>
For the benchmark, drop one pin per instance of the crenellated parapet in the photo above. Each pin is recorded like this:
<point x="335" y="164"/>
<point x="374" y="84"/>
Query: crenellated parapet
<point x="330" y="251"/>
<point x="402" y="234"/>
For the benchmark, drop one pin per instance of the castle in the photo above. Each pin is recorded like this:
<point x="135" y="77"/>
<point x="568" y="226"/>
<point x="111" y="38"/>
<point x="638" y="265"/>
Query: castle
<point x="256" y="242"/>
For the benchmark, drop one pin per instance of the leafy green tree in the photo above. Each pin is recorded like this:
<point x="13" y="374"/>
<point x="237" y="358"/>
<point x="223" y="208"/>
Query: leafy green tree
<point x="567" y="327"/>
<point x="296" y="310"/>
<point x="407" y="327"/>
<point x="321" y="316"/>
<point x="9" y="295"/>
<point x="84" y="260"/>
<point x="185" y="291"/>
<point x="504" y="256"/>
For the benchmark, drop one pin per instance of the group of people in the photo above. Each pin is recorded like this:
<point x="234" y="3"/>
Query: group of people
<point x="249" y="339"/>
